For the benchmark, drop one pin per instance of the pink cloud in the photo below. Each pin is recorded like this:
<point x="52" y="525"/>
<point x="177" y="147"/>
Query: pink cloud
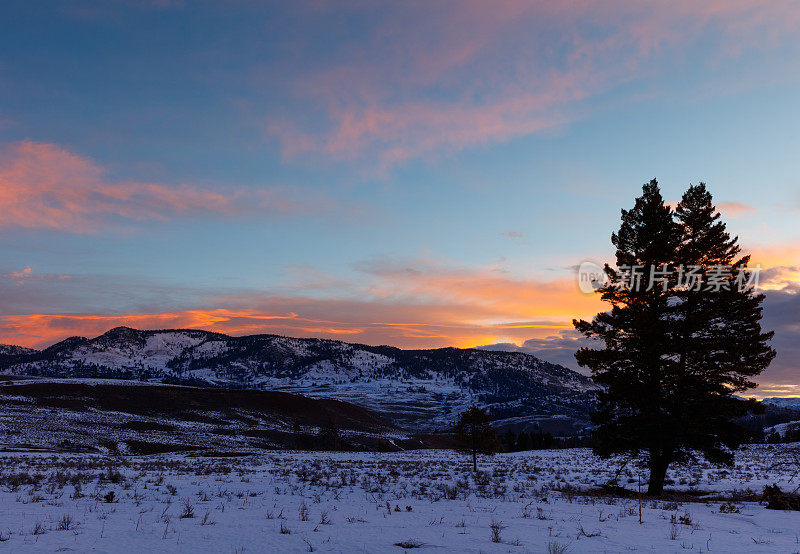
<point x="734" y="209"/>
<point x="44" y="186"/>
<point x="21" y="276"/>
<point x="436" y="76"/>
<point x="728" y="209"/>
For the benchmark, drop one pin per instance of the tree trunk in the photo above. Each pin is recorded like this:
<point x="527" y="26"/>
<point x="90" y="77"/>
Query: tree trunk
<point x="658" y="472"/>
<point x="475" y="461"/>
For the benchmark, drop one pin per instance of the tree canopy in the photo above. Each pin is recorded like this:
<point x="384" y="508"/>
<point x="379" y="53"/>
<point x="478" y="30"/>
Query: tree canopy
<point x="683" y="335"/>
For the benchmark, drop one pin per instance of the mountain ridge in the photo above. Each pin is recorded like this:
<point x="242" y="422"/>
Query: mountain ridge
<point x="790" y="402"/>
<point x="12" y="350"/>
<point x="420" y="389"/>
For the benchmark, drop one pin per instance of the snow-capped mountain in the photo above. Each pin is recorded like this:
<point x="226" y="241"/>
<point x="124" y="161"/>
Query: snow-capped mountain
<point x="421" y="389"/>
<point x="789" y="402"/>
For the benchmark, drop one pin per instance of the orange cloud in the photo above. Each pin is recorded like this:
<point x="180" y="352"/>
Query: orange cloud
<point x="778" y="255"/>
<point x="780" y="265"/>
<point x="41" y="330"/>
<point x="412" y="304"/>
<point x="43" y="186"/>
<point x="423" y="304"/>
<point x="493" y="295"/>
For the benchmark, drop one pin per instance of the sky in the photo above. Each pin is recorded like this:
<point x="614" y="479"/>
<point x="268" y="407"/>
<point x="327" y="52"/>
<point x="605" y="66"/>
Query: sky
<point x="419" y="174"/>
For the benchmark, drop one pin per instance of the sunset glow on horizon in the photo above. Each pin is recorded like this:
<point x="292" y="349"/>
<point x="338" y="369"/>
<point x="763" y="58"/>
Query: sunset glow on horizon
<point x="413" y="174"/>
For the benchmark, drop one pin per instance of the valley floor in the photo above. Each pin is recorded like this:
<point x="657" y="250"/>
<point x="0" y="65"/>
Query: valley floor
<point x="409" y="501"/>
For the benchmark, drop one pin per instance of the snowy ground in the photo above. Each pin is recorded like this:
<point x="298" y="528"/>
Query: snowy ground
<point x="347" y="502"/>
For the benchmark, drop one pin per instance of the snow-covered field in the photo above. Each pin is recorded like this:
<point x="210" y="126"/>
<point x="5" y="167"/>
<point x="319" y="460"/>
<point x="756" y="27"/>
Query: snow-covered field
<point x="358" y="502"/>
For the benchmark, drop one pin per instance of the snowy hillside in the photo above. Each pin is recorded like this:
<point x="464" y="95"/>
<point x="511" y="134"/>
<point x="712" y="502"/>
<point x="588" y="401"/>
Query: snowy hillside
<point x="421" y="389"/>
<point x="128" y="417"/>
<point x="11" y="350"/>
<point x="783" y="429"/>
<point x="789" y="402"/>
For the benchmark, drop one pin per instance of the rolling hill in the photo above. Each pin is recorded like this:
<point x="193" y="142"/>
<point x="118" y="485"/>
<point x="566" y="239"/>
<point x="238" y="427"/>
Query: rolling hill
<point x="419" y="389"/>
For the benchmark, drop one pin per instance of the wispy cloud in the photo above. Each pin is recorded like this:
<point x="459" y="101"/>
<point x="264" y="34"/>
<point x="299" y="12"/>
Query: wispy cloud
<point x="727" y="209"/>
<point x="434" y="77"/>
<point x="413" y="303"/>
<point x="44" y="186"/>
<point x="734" y="209"/>
<point x="494" y="294"/>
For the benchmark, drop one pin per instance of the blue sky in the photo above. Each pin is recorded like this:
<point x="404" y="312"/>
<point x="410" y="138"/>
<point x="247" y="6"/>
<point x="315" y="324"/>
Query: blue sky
<point x="406" y="173"/>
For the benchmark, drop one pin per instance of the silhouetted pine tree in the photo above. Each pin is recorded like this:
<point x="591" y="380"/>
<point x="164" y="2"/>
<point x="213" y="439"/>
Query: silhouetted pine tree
<point x="330" y="435"/>
<point x="475" y="433"/>
<point x="509" y="441"/>
<point x="720" y="344"/>
<point x="635" y="357"/>
<point x="523" y="442"/>
<point x="672" y="357"/>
